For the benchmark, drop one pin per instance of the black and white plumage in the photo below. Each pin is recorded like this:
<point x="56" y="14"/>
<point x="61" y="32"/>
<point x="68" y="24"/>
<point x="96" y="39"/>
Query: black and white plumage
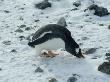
<point x="55" y="36"/>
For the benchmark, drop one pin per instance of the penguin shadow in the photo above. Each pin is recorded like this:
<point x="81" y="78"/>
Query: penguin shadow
<point x="64" y="64"/>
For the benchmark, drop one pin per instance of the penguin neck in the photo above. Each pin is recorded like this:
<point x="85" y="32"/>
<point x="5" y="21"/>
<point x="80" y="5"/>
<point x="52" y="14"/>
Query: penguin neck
<point x="71" y="42"/>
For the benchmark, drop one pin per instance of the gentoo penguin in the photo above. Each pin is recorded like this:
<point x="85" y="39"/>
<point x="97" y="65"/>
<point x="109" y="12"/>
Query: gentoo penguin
<point x="53" y="37"/>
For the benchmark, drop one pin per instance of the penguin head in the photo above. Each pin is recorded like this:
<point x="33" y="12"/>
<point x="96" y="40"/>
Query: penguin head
<point x="31" y="44"/>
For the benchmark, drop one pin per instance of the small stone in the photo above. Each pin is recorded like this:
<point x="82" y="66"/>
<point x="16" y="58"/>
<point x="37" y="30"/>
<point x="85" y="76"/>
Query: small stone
<point x="0" y="69"/>
<point x="28" y="28"/>
<point x="6" y="11"/>
<point x="101" y="24"/>
<point x="39" y="70"/>
<point x="7" y="42"/>
<point x="77" y="3"/>
<point x="91" y="51"/>
<point x="108" y="26"/>
<point x="105" y="67"/>
<point x="37" y="20"/>
<point x="21" y="18"/>
<point x="107" y="54"/>
<point x="21" y="37"/>
<point x="74" y="9"/>
<point x="108" y="58"/>
<point x="43" y="5"/>
<point x="22" y="26"/>
<point x="94" y="58"/>
<point x="52" y="80"/>
<point x="13" y="51"/>
<point x="19" y="30"/>
<point x="72" y="79"/>
<point x="85" y="38"/>
<point x="99" y="11"/>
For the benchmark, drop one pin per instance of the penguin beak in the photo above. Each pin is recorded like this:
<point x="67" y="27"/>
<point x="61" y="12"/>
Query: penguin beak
<point x="79" y="53"/>
<point x="30" y="44"/>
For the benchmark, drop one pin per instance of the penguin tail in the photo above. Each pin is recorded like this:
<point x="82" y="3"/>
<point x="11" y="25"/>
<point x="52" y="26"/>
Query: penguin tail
<point x="62" y="22"/>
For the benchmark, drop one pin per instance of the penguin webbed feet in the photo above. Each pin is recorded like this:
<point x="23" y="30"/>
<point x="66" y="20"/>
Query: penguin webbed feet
<point x="79" y="54"/>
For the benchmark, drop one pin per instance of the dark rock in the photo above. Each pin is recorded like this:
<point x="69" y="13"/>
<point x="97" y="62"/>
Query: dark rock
<point x="6" y="11"/>
<point x="99" y="11"/>
<point x="91" y="51"/>
<point x="43" y="5"/>
<point x="19" y="30"/>
<point x="37" y="20"/>
<point x="108" y="58"/>
<point x="21" y="37"/>
<point x="85" y="38"/>
<point x="74" y="9"/>
<point x="52" y="80"/>
<point x="13" y="51"/>
<point x="101" y="24"/>
<point x="109" y="27"/>
<point x="77" y="3"/>
<point x="0" y="69"/>
<point x="72" y="79"/>
<point x="22" y="8"/>
<point x="22" y="26"/>
<point x="21" y="18"/>
<point x="39" y="70"/>
<point x="94" y="58"/>
<point x="7" y="42"/>
<point x="28" y="28"/>
<point x="105" y="67"/>
<point x="107" y="54"/>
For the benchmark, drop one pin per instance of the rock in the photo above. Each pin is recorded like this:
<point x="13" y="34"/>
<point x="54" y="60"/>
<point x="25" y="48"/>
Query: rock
<point x="28" y="28"/>
<point x="108" y="58"/>
<point x="19" y="30"/>
<point x="0" y="69"/>
<point x="36" y="20"/>
<point x="105" y="67"/>
<point x="21" y="37"/>
<point x="72" y="79"/>
<point x="52" y="80"/>
<point x="13" y="51"/>
<point x="77" y="3"/>
<point x="101" y="24"/>
<point x="7" y="42"/>
<point x="107" y="54"/>
<point x="99" y="11"/>
<point x="91" y="51"/>
<point x="39" y="70"/>
<point x="6" y="11"/>
<point x="85" y="38"/>
<point x="22" y="26"/>
<point x="74" y="9"/>
<point x="43" y="5"/>
<point x="108" y="26"/>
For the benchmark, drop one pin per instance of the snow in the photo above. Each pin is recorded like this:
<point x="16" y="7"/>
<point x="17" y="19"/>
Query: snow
<point x="20" y="66"/>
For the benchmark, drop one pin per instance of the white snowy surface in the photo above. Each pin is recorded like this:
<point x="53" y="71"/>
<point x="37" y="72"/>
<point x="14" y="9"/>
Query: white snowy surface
<point x="21" y="65"/>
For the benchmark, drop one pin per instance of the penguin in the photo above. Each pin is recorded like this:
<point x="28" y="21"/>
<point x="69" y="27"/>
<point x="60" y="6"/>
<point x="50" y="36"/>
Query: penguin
<point x="53" y="37"/>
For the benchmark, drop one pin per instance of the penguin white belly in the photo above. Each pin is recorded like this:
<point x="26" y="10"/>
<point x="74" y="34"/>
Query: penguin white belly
<point x="52" y="44"/>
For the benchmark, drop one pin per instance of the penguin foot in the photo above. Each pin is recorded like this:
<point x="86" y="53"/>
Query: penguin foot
<point x="49" y="53"/>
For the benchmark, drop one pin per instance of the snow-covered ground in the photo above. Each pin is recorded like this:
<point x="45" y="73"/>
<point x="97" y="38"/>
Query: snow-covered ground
<point x="20" y="66"/>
